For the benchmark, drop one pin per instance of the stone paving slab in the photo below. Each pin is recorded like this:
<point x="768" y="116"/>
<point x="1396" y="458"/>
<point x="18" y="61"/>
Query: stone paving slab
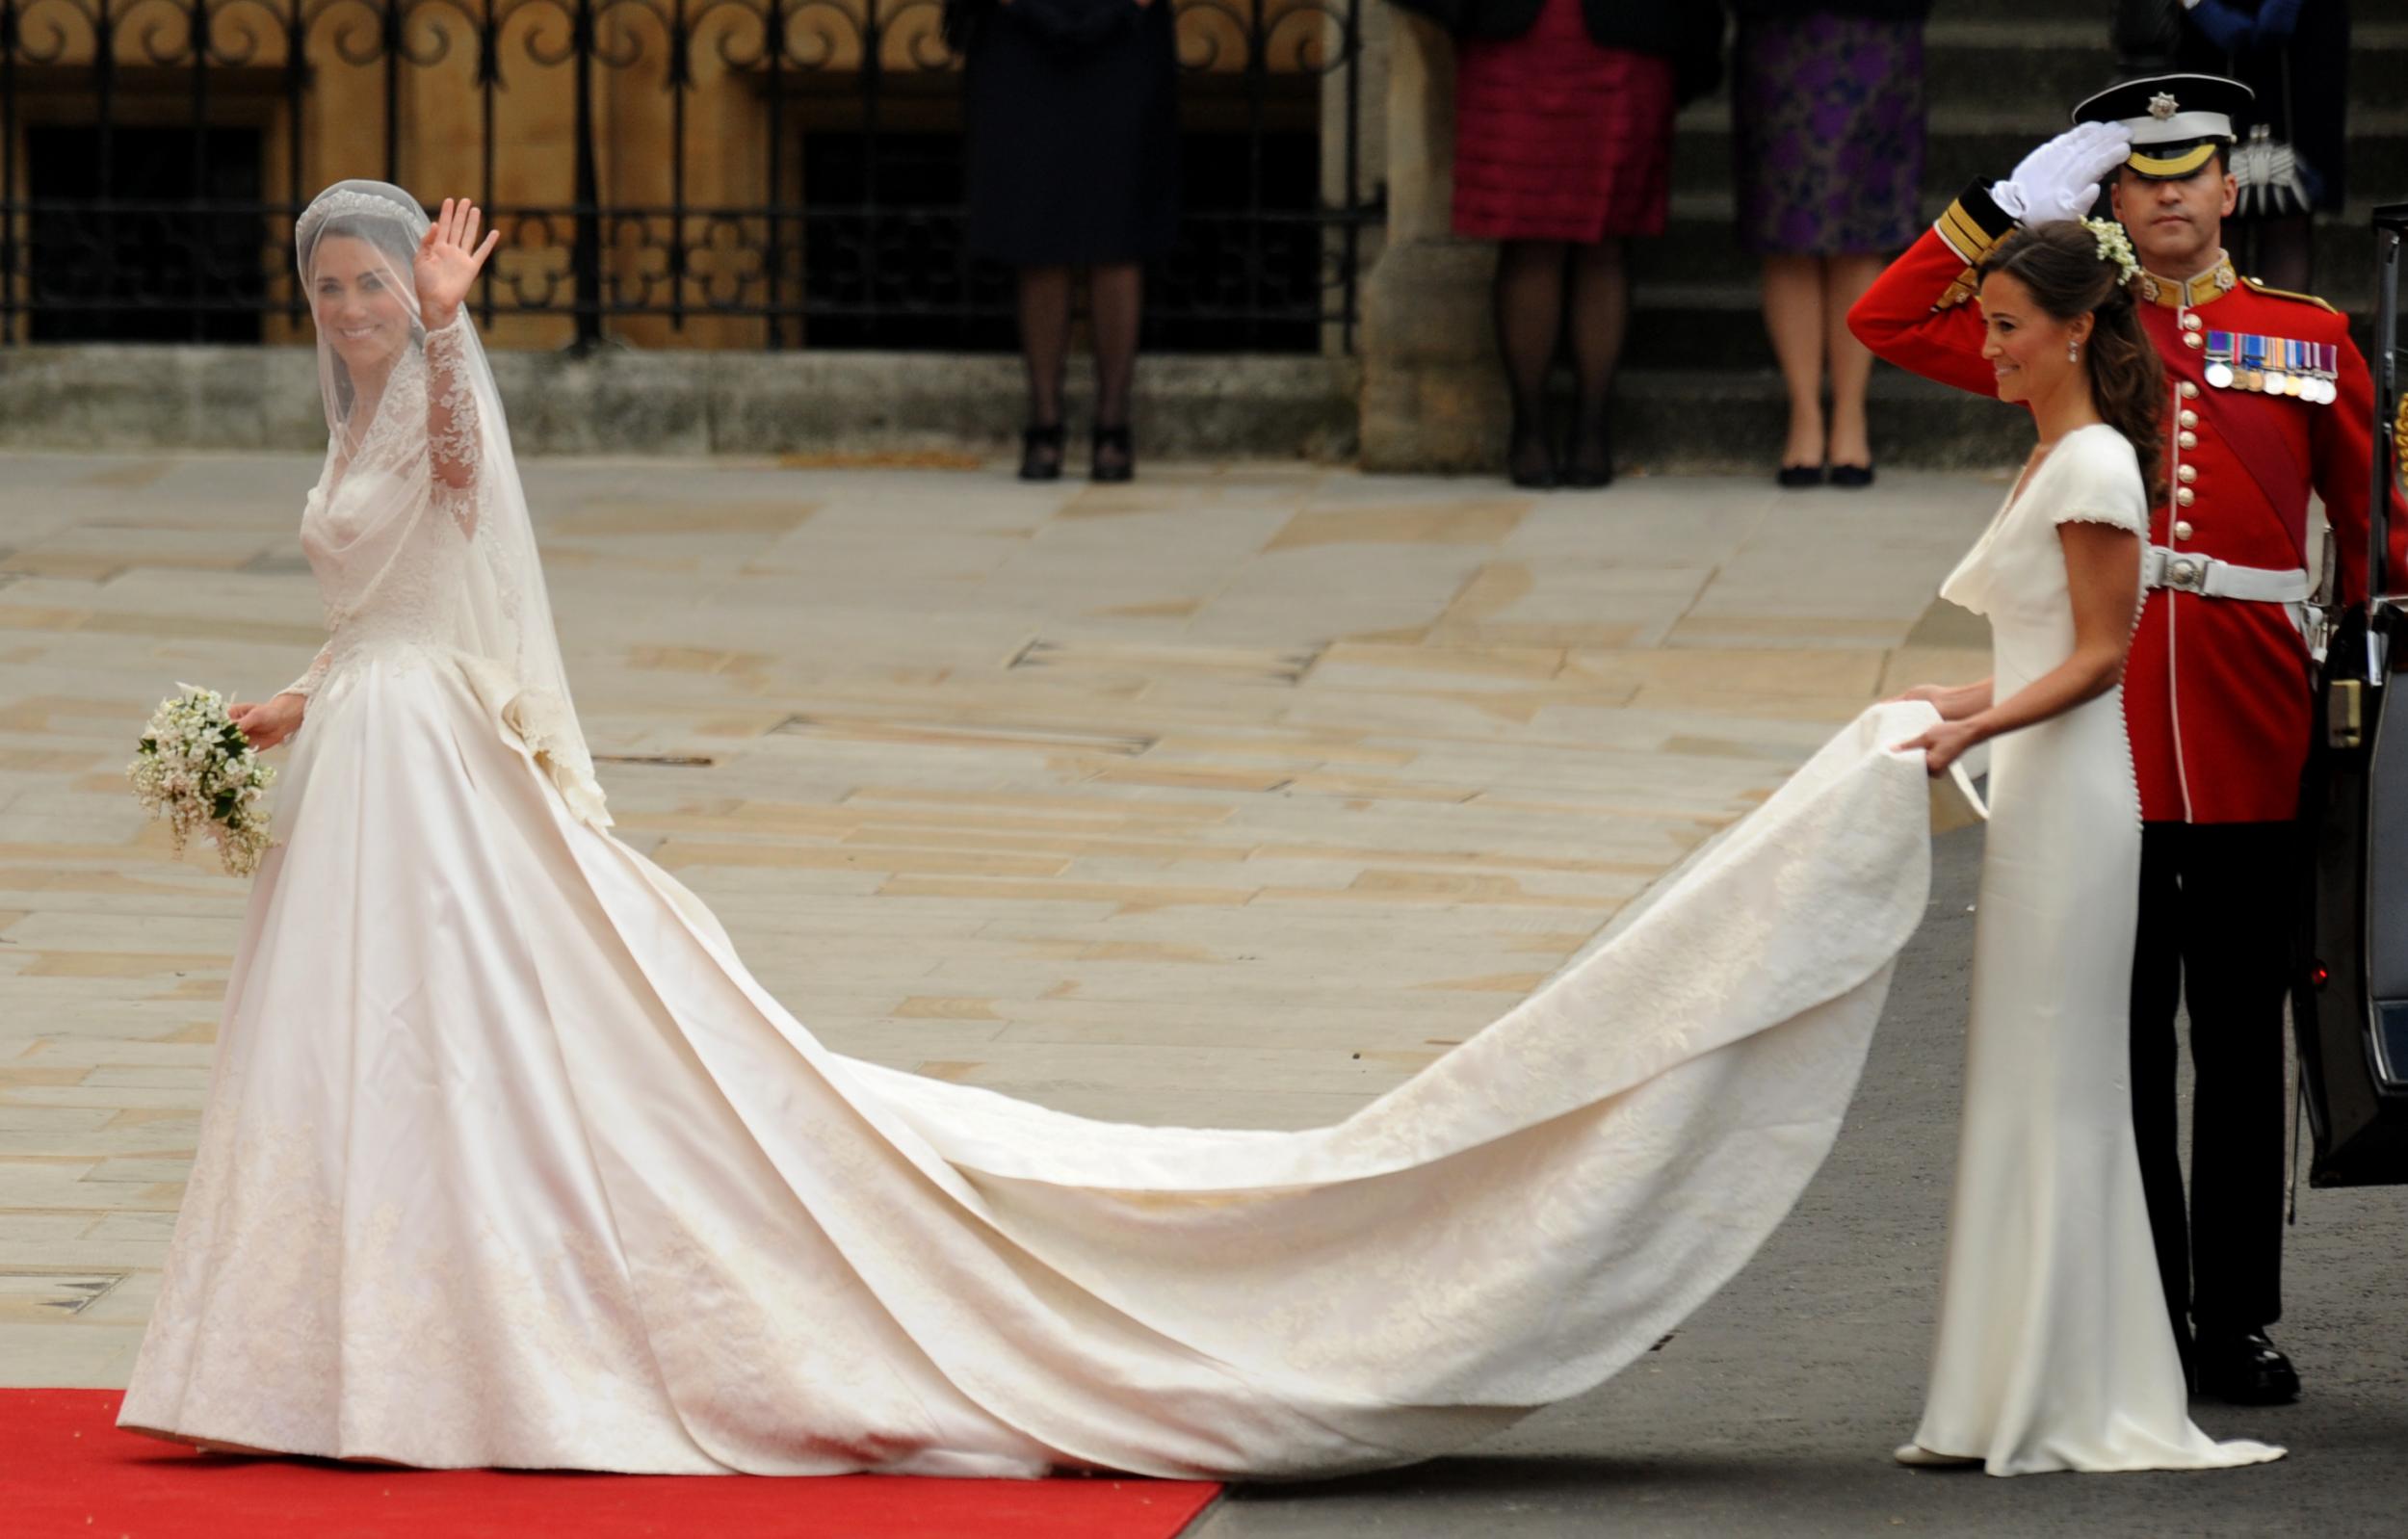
<point x="1230" y="796"/>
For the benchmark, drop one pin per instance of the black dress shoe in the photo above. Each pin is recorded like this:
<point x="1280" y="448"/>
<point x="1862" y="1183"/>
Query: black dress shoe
<point x="1040" y="453"/>
<point x="2246" y="1368"/>
<point x="1852" y="476"/>
<point x="1795" y="477"/>
<point x="1528" y="460"/>
<point x="1591" y="465"/>
<point x="1114" y="456"/>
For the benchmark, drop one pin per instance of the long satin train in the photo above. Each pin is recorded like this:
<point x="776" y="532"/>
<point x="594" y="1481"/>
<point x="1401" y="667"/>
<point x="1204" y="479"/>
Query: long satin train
<point x="508" y="1161"/>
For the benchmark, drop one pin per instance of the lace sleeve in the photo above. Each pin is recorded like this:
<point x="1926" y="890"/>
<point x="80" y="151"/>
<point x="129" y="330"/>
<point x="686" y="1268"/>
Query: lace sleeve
<point x="453" y="443"/>
<point x="308" y="682"/>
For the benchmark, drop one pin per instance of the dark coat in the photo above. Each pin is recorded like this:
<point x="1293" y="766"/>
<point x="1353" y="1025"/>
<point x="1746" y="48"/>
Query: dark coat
<point x="1687" y="32"/>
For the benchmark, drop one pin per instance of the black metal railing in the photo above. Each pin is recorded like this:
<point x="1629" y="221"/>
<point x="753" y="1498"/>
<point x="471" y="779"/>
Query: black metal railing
<point x="787" y="171"/>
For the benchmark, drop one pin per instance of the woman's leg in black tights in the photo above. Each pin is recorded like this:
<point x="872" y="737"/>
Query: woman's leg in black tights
<point x="1600" y="315"/>
<point x="1116" y="307"/>
<point x="1529" y="323"/>
<point x="1045" y="345"/>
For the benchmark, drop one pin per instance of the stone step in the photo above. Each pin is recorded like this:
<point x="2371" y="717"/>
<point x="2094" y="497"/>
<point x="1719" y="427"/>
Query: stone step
<point x="2040" y="67"/>
<point x="1700" y="248"/>
<point x="2090" y="14"/>
<point x="1671" y="420"/>
<point x="2036" y="68"/>
<point x="2378" y="53"/>
<point x="1716" y="327"/>
<point x="2093" y="14"/>
<point x="853" y="405"/>
<point x="1696" y="326"/>
<point x="1965" y="144"/>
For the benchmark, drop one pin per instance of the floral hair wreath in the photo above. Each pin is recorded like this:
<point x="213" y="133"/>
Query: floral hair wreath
<point x="2114" y="246"/>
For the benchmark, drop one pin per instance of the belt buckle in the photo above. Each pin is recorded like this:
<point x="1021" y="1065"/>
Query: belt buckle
<point x="2187" y="574"/>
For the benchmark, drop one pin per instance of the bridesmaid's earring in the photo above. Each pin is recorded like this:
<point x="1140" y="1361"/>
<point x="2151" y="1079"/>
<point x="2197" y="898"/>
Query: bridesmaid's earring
<point x="2073" y="352"/>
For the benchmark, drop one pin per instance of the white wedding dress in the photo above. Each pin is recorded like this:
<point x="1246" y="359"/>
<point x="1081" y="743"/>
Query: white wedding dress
<point x="2055" y="1350"/>
<point x="508" y="1161"/>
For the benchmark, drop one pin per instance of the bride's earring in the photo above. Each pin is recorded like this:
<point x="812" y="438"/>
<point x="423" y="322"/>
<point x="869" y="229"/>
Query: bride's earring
<point x="2073" y="352"/>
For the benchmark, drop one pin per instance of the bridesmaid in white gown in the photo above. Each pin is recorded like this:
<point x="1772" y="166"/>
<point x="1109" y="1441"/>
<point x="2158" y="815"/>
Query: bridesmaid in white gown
<point x="2054" y="1349"/>
<point x="508" y="1161"/>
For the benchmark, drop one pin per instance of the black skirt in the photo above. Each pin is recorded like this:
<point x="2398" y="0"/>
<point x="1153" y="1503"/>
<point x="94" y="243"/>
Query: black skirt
<point x="1073" y="131"/>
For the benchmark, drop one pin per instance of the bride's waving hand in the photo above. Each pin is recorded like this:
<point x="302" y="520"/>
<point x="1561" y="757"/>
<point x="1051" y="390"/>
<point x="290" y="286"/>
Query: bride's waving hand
<point x="448" y="259"/>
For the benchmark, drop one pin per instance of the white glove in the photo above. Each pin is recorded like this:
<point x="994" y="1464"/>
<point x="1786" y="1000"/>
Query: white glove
<point x="2060" y="179"/>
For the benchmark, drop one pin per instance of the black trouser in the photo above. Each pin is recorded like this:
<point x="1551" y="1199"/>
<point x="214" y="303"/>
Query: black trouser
<point x="2218" y="911"/>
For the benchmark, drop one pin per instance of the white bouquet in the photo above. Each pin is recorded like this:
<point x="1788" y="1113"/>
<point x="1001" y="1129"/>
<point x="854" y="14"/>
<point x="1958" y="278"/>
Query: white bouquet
<point x="196" y="766"/>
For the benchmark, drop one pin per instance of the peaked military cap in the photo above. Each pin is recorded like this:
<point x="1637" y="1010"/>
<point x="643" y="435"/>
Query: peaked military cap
<point x="2178" y="122"/>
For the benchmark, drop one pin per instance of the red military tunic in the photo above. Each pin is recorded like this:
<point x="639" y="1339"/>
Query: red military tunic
<point x="2216" y="690"/>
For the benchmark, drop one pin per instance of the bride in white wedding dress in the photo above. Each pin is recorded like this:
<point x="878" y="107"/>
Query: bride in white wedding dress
<point x="508" y="1161"/>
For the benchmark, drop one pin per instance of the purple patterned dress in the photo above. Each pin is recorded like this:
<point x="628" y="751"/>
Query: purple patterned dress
<point x="1827" y="130"/>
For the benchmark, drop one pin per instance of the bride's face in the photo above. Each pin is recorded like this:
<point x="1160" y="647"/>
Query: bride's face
<point x="2026" y="346"/>
<point x="360" y="313"/>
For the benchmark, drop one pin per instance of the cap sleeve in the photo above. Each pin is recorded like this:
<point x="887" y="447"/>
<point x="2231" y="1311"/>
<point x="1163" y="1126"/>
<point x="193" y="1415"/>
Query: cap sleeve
<point x="2102" y="483"/>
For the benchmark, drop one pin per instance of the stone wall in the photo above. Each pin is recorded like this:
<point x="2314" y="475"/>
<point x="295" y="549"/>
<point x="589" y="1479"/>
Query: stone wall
<point x="620" y="400"/>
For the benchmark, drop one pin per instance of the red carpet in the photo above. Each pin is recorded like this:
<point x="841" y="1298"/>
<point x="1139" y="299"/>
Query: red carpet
<point x="66" y="1470"/>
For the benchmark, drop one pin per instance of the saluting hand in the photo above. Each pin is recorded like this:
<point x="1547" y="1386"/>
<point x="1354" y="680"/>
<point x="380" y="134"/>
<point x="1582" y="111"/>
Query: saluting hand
<point x="448" y="261"/>
<point x="2060" y="179"/>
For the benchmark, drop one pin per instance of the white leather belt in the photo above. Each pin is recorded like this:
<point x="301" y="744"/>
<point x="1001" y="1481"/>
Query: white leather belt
<point x="2210" y="578"/>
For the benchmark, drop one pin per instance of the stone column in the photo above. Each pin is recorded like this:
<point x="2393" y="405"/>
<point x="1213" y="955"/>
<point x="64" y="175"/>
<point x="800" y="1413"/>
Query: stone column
<point x="1434" y="399"/>
<point x="1354" y="109"/>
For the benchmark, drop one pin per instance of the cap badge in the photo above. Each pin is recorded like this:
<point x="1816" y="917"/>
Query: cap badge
<point x="2162" y="105"/>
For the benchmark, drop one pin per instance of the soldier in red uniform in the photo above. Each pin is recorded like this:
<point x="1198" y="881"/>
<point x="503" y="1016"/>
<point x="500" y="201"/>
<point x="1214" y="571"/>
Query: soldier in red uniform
<point x="2270" y="399"/>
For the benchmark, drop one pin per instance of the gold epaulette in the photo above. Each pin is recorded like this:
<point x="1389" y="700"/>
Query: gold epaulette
<point x="2263" y="287"/>
<point x="1963" y="232"/>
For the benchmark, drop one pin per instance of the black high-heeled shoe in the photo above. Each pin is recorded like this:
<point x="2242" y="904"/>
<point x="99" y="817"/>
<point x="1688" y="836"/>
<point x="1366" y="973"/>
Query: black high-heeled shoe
<point x="1114" y="457"/>
<point x="1040" y="453"/>
<point x="1592" y="464"/>
<point x="1530" y="460"/>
